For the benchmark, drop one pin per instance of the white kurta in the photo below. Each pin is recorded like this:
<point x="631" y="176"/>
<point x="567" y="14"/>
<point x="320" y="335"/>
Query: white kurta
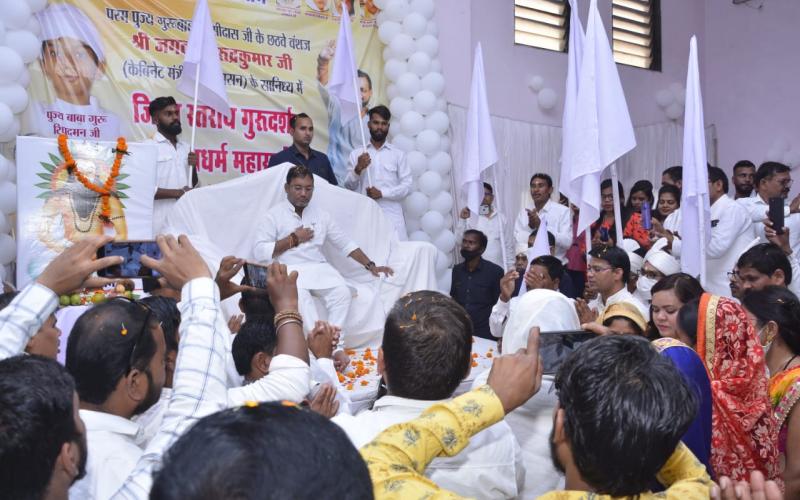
<point x="559" y="222"/>
<point x="621" y="296"/>
<point x="757" y="207"/>
<point x="89" y="121"/>
<point x="172" y="172"/>
<point x="490" y="225"/>
<point x="389" y="172"/>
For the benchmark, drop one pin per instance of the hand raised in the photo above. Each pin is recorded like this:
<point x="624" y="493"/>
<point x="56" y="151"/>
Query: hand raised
<point x="516" y="377"/>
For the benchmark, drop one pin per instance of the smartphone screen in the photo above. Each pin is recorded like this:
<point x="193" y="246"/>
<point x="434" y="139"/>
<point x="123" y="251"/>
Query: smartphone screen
<point x="131" y="252"/>
<point x="603" y="234"/>
<point x="255" y="275"/>
<point x="776" y="214"/>
<point x="554" y="347"/>
<point x="647" y="217"/>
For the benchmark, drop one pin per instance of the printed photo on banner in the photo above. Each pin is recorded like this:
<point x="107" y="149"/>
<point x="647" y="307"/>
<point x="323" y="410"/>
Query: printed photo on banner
<point x="73" y="189"/>
<point x="103" y="61"/>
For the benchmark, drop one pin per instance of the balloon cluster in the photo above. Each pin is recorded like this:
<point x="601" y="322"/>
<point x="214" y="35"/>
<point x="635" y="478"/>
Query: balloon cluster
<point x="19" y="45"/>
<point x="546" y="97"/>
<point x="421" y="123"/>
<point x="672" y="100"/>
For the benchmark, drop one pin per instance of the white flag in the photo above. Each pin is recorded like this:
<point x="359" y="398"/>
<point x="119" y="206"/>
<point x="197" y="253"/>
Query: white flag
<point x="602" y="130"/>
<point x="201" y="66"/>
<point x="541" y="246"/>
<point x="480" y="152"/>
<point x="695" y="211"/>
<point x="343" y="82"/>
<point x="574" y="58"/>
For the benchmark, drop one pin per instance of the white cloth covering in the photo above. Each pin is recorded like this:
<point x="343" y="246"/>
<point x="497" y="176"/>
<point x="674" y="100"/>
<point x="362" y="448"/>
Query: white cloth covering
<point x="490" y="467"/>
<point x="559" y="222"/>
<point x="389" y="172"/>
<point x="220" y="219"/>
<point x="172" y="172"/>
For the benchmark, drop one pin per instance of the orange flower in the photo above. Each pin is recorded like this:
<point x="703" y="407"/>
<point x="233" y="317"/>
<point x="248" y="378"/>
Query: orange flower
<point x="474" y="354"/>
<point x="364" y="382"/>
<point x="349" y="387"/>
<point x="474" y="364"/>
<point x="489" y="354"/>
<point x="341" y="377"/>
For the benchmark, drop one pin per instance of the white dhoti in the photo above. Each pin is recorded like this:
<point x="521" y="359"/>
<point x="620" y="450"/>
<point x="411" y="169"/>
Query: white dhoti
<point x="322" y="281"/>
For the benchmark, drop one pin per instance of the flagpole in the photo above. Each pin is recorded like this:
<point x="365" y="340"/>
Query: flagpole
<point x="617" y="210"/>
<point x="500" y="214"/>
<point x="194" y="115"/>
<point x="700" y="217"/>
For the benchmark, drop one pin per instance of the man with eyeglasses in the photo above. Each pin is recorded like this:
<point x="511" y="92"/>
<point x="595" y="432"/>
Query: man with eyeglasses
<point x="608" y="272"/>
<point x="773" y="180"/>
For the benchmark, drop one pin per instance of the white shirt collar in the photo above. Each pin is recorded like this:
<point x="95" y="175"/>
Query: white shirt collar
<point x="390" y="401"/>
<point x="99" y="421"/>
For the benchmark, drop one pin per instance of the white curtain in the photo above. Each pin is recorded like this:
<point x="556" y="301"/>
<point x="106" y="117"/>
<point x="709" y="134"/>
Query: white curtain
<point x="527" y="148"/>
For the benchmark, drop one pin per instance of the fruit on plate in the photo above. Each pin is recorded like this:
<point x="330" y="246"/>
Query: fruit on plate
<point x="63" y="300"/>
<point x="120" y="288"/>
<point x="98" y="297"/>
<point x="75" y="299"/>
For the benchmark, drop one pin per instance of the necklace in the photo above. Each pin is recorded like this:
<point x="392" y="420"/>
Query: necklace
<point x="76" y="217"/>
<point x="788" y="363"/>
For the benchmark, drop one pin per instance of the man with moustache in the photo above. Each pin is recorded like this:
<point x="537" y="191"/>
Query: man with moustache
<point x="381" y="172"/>
<point x="174" y="159"/>
<point x="744" y="171"/>
<point x="476" y="282"/>
<point x="773" y="180"/>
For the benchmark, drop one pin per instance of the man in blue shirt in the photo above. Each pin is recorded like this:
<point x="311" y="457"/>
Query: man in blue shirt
<point x="476" y="282"/>
<point x="300" y="153"/>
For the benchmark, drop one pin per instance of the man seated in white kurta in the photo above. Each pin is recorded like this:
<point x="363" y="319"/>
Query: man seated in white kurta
<point x="293" y="233"/>
<point x="381" y="172"/>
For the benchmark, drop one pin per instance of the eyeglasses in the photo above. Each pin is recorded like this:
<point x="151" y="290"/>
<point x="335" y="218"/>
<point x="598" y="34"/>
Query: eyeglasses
<point x="653" y="275"/>
<point x="596" y="270"/>
<point x="733" y="275"/>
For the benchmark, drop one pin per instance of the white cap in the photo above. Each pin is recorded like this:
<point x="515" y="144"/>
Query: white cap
<point x="61" y="20"/>
<point x="664" y="262"/>
<point x="630" y="246"/>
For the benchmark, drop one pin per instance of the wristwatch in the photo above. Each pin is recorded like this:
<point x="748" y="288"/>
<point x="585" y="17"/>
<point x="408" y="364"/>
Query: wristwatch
<point x="369" y="265"/>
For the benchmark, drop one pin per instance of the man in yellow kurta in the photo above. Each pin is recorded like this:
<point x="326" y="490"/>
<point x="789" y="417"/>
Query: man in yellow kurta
<point x="615" y="428"/>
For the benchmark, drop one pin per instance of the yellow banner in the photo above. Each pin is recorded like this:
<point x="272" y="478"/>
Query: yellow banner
<point x="103" y="61"/>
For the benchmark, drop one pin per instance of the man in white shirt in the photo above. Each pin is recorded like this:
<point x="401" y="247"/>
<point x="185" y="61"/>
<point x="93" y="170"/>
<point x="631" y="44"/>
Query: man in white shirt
<point x="174" y="160"/>
<point x="381" y="172"/>
<point x="491" y="223"/>
<point x="773" y="180"/>
<point x="558" y="217"/>
<point x="425" y="326"/>
<point x="608" y="273"/>
<point x="294" y="233"/>
<point x="744" y="173"/>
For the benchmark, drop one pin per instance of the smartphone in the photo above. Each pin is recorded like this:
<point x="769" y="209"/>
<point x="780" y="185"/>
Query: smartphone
<point x="554" y="347"/>
<point x="603" y="234"/>
<point x="255" y="275"/>
<point x="647" y="216"/>
<point x="483" y="210"/>
<point x="131" y="252"/>
<point x="776" y="214"/>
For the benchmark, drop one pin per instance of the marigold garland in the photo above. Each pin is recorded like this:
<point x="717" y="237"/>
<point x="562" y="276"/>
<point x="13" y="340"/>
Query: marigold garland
<point x="107" y="189"/>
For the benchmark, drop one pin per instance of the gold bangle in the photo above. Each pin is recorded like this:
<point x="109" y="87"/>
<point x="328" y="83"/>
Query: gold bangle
<point x="286" y="322"/>
<point x="288" y="314"/>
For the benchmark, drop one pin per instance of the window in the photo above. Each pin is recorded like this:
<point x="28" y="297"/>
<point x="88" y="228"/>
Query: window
<point x="636" y="31"/>
<point x="542" y="23"/>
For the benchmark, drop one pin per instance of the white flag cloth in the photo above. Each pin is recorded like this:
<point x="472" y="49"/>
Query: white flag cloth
<point x="541" y="246"/>
<point x="574" y="58"/>
<point x="480" y="151"/>
<point x="343" y="82"/>
<point x="602" y="130"/>
<point x="695" y="210"/>
<point x="202" y="54"/>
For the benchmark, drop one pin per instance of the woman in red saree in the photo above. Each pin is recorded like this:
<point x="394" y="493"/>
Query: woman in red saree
<point x="743" y="430"/>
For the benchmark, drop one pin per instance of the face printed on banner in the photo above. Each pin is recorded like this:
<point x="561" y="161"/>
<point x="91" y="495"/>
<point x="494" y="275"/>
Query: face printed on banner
<point x="318" y="5"/>
<point x="72" y="67"/>
<point x="365" y="87"/>
<point x="168" y="120"/>
<point x="338" y="6"/>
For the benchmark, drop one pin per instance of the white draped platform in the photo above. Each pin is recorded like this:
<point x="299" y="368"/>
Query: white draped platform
<point x="221" y="220"/>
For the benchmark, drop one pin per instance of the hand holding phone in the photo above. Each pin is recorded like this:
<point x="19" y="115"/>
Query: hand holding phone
<point x="255" y="275"/>
<point x="131" y="253"/>
<point x="776" y="214"/>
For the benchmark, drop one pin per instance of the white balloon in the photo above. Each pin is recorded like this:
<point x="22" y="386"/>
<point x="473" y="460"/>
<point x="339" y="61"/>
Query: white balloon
<point x="442" y="202"/>
<point x="433" y="82"/>
<point x="24" y="78"/>
<point x="37" y="5"/>
<point x="5" y="165"/>
<point x="14" y="96"/>
<point x="12" y="173"/>
<point x="408" y="84"/>
<point x="411" y="123"/>
<point x="396" y="10"/>
<point x="443" y="262"/>
<point x="681" y="97"/>
<point x="381" y="18"/>
<point x="424" y="101"/>
<point x="6" y="117"/>
<point x="447" y="182"/>
<point x="547" y="99"/>
<point x="424" y="7"/>
<point x="402" y="46"/>
<point x="393" y="68"/>
<point x="12" y="132"/>
<point x="388" y="54"/>
<point x="8" y="249"/>
<point x="404" y="142"/>
<point x="34" y="26"/>
<point x="419" y="63"/>
<point x="5" y="226"/>
<point x="412" y="224"/>
<point x="674" y="111"/>
<point x="388" y="30"/>
<point x="664" y="98"/>
<point x="441" y="104"/>
<point x="440" y="163"/>
<point x="416" y="204"/>
<point x="445" y="241"/>
<point x="428" y="141"/>
<point x="430" y="183"/>
<point x="8" y="198"/>
<point x="536" y="83"/>
<point x="24" y="43"/>
<point x="432" y="222"/>
<point x="2" y="33"/>
<point x="428" y="44"/>
<point x="415" y="25"/>
<point x="437" y="121"/>
<point x="10" y="64"/>
<point x="416" y="162"/>
<point x="419" y="236"/>
<point x="675" y="88"/>
<point x="436" y="66"/>
<point x="391" y="91"/>
<point x="444" y="143"/>
<point x="15" y="14"/>
<point x="432" y="29"/>
<point x="400" y="105"/>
